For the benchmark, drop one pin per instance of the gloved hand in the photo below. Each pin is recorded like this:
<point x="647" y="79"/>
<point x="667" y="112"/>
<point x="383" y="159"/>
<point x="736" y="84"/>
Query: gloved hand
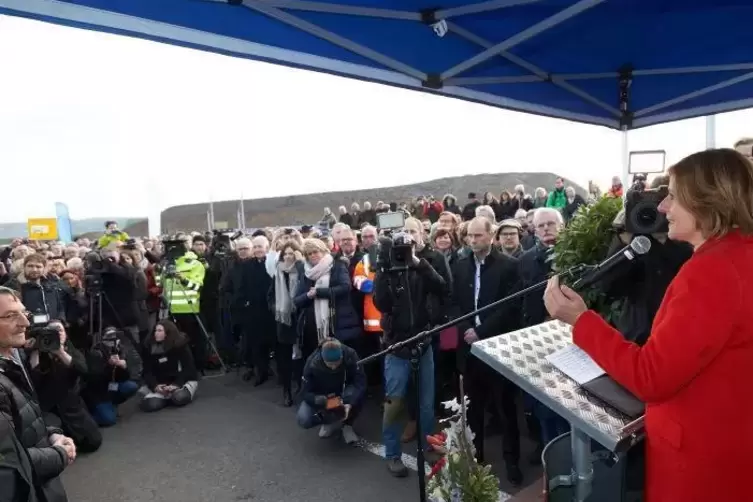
<point x="367" y="286"/>
<point x="183" y="281"/>
<point x="320" y="401"/>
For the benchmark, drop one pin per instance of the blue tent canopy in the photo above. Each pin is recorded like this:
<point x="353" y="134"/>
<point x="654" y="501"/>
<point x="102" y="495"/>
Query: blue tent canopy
<point x="622" y="64"/>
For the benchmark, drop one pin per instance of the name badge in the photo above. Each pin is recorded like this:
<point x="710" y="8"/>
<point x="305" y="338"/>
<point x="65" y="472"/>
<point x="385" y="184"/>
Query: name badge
<point x="162" y="360"/>
<point x="113" y="387"/>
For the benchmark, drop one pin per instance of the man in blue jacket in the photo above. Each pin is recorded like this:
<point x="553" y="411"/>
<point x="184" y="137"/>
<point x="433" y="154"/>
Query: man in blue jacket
<point x="333" y="390"/>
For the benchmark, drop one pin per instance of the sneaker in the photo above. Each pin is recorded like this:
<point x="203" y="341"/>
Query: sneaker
<point x="397" y="467"/>
<point x="349" y="435"/>
<point x="327" y="430"/>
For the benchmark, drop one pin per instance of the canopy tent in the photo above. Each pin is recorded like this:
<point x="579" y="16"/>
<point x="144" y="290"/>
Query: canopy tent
<point x="622" y="64"/>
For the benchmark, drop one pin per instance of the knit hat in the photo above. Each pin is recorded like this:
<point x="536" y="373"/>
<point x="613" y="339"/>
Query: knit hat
<point x="332" y="351"/>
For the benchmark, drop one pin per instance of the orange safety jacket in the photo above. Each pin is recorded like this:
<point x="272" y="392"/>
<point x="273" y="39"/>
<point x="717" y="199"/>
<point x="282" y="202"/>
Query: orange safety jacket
<point x="363" y="275"/>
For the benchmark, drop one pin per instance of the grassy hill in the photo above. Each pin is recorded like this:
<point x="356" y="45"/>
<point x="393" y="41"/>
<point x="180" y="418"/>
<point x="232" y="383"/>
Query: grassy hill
<point x="307" y="208"/>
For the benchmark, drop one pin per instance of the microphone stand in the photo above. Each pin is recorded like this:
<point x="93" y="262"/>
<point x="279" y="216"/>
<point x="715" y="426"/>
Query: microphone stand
<point x="417" y="343"/>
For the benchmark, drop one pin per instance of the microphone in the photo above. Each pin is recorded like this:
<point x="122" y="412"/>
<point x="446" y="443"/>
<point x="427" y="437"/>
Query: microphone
<point x="639" y="246"/>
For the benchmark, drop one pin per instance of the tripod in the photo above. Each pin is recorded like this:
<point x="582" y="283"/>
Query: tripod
<point x="417" y="344"/>
<point x="167" y="308"/>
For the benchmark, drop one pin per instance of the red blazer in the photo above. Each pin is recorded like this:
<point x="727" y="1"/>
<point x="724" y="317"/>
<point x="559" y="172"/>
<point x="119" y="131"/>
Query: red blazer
<point x="694" y="375"/>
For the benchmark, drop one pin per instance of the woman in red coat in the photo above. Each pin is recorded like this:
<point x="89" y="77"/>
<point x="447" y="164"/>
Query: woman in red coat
<point x="694" y="372"/>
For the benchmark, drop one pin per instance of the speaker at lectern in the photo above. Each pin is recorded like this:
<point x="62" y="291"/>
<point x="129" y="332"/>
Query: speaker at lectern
<point x="606" y="420"/>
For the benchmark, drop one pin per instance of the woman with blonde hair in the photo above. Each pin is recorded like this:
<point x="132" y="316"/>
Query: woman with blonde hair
<point x="693" y="373"/>
<point x="288" y="272"/>
<point x="323" y="299"/>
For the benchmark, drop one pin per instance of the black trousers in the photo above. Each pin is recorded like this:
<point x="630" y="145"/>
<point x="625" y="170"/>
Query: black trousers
<point x="367" y="344"/>
<point x="257" y="344"/>
<point x="284" y="361"/>
<point x="189" y="324"/>
<point x="485" y="386"/>
<point x="72" y="415"/>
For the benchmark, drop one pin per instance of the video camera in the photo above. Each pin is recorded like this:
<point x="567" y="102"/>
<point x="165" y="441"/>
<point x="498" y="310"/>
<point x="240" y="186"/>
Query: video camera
<point x="93" y="269"/>
<point x="642" y="216"/>
<point x="47" y="337"/>
<point x="222" y="239"/>
<point x="395" y="253"/>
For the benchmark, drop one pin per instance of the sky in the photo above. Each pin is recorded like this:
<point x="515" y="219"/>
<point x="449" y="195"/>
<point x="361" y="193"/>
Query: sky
<point x="116" y="126"/>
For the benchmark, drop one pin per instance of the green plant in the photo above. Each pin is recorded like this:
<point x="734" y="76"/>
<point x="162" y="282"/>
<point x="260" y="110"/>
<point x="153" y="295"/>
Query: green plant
<point x="586" y="240"/>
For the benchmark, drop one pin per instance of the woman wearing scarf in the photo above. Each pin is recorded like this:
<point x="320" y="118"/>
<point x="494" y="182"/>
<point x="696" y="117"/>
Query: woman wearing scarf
<point x="323" y="299"/>
<point x="288" y="272"/>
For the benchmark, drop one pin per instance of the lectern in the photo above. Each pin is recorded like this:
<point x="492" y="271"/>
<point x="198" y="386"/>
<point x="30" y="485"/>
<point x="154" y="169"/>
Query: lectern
<point x="520" y="356"/>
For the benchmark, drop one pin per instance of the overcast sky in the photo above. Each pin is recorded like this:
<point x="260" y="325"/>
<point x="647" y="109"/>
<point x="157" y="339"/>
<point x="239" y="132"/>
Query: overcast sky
<point x="103" y="123"/>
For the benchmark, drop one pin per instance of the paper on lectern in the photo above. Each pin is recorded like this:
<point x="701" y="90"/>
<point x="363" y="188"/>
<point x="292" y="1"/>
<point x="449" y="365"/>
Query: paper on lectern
<point x="576" y="364"/>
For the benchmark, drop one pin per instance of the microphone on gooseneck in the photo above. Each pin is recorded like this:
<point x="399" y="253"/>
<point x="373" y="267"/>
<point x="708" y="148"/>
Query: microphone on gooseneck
<point x="639" y="246"/>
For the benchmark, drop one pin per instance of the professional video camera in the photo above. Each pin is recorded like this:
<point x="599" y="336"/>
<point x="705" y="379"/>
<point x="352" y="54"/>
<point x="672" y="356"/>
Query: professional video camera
<point x="93" y="268"/>
<point x="642" y="216"/>
<point x="174" y="249"/>
<point x="47" y="338"/>
<point x="395" y="253"/>
<point x="222" y="239"/>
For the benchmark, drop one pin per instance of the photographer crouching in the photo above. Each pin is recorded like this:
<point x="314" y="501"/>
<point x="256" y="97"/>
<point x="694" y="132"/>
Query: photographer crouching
<point x="333" y="390"/>
<point x="114" y="371"/>
<point x="402" y="285"/>
<point x="56" y="371"/>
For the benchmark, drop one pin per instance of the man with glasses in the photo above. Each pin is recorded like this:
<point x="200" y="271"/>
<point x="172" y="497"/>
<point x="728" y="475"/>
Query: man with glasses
<point x="508" y="238"/>
<point x="49" y="451"/>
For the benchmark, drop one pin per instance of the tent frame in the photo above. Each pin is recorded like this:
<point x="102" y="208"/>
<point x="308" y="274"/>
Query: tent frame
<point x="442" y="21"/>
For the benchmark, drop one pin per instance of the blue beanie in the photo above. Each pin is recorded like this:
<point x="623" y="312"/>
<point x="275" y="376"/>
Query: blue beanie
<point x="332" y="353"/>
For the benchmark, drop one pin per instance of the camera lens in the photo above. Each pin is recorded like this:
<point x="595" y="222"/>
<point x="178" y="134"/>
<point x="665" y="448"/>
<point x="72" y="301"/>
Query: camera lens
<point x="647" y="216"/>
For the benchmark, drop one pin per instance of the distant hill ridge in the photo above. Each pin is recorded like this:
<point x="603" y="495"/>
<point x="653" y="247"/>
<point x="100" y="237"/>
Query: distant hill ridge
<point x="308" y="208"/>
<point x="86" y="226"/>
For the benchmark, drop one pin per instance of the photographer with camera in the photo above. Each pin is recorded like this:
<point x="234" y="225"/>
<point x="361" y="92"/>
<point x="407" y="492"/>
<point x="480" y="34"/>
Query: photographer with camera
<point x="112" y="235"/>
<point x="402" y="287"/>
<point x="48" y="451"/>
<point x="114" y="371"/>
<point x="44" y="298"/>
<point x="333" y="390"/>
<point x="641" y="284"/>
<point x="56" y="372"/>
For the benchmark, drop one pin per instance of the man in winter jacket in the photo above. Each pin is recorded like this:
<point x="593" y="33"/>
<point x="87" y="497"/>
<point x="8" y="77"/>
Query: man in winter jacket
<point x="557" y="198"/>
<point x="333" y="390"/>
<point x="48" y="450"/>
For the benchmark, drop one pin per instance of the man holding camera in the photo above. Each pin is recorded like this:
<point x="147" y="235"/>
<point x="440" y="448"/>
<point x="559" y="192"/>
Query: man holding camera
<point x="46" y="449"/>
<point x="333" y="390"/>
<point x="56" y="371"/>
<point x="402" y="287"/>
<point x="112" y="235"/>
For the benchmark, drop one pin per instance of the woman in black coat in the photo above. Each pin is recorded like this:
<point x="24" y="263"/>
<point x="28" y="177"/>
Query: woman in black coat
<point x="169" y="369"/>
<point x="289" y="271"/>
<point x="325" y="284"/>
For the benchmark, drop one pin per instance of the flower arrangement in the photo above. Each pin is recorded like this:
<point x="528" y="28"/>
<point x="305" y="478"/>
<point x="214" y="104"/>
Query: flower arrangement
<point x="457" y="477"/>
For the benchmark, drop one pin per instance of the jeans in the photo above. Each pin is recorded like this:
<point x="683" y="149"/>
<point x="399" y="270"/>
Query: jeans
<point x="552" y="425"/>
<point x="308" y="417"/>
<point x="106" y="413"/>
<point x="397" y="378"/>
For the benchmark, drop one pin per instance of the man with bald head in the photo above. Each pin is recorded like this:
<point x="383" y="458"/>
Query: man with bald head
<point x="480" y="278"/>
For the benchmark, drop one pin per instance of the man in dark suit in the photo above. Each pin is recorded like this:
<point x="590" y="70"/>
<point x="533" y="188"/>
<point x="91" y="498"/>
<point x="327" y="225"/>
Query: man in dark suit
<point x="481" y="278"/>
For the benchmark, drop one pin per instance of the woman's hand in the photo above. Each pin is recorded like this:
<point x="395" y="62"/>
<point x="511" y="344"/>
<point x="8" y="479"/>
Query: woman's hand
<point x="563" y="303"/>
<point x="311" y="293"/>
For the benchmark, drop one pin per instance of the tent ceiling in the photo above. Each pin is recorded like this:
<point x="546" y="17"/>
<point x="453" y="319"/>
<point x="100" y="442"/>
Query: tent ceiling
<point x="617" y="63"/>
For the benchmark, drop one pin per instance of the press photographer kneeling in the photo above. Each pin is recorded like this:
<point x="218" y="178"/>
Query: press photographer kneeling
<point x="114" y="370"/>
<point x="169" y="369"/>
<point x="56" y="371"/>
<point x="333" y="390"/>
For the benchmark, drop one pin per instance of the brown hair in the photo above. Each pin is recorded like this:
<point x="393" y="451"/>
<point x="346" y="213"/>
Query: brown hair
<point x="292" y="245"/>
<point x="440" y="232"/>
<point x="716" y="187"/>
<point x="36" y="258"/>
<point x="174" y="338"/>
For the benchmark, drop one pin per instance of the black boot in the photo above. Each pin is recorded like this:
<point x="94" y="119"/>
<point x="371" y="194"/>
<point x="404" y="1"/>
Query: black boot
<point x="248" y="375"/>
<point x="287" y="398"/>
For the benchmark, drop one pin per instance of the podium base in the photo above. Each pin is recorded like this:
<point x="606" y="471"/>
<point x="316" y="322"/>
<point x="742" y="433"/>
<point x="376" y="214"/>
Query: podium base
<point x="609" y="478"/>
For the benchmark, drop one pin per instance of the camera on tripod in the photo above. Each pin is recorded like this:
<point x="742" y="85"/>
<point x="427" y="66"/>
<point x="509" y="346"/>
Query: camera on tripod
<point x="642" y="215"/>
<point x="222" y="241"/>
<point x="395" y="253"/>
<point x="47" y="338"/>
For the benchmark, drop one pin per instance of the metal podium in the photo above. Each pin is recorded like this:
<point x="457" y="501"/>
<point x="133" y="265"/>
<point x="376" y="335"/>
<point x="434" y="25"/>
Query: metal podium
<point x="520" y="356"/>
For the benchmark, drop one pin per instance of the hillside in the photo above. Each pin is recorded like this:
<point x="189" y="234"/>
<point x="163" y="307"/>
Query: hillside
<point x="307" y="209"/>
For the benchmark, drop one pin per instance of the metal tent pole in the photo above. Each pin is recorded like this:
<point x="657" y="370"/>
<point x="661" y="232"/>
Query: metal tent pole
<point x="710" y="132"/>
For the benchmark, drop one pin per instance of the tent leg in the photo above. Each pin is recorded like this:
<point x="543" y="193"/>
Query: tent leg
<point x="626" y="181"/>
<point x="710" y="132"/>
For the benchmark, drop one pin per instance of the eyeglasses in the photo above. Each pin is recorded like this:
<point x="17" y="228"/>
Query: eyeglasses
<point x="15" y="316"/>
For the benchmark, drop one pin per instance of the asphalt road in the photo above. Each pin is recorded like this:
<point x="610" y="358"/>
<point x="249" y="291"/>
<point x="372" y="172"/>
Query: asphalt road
<point x="235" y="443"/>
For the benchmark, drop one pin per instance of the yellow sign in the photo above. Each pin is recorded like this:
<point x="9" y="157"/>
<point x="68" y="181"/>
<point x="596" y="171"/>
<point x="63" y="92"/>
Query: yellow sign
<point x="42" y="229"/>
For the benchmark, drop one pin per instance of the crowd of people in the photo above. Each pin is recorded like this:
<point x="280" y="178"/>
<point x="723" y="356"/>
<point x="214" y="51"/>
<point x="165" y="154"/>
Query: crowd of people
<point x="315" y="300"/>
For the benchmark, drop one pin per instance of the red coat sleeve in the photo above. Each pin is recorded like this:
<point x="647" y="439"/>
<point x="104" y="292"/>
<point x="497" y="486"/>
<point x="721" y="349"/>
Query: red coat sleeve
<point x="699" y="313"/>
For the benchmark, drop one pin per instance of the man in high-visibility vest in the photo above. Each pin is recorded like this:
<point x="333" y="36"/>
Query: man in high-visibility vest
<point x="363" y="281"/>
<point x="181" y="290"/>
